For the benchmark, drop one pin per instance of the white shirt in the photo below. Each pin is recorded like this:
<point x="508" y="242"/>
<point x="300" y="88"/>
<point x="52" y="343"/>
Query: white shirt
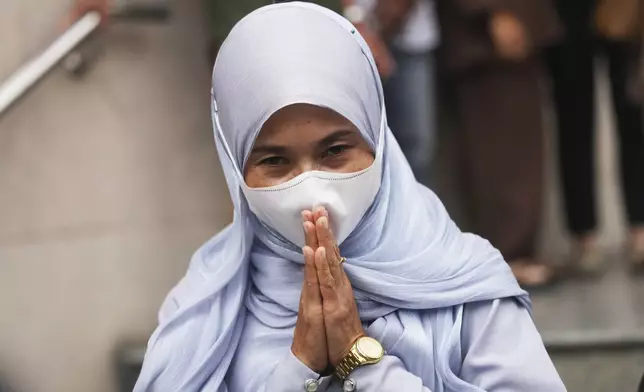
<point x="420" y="32"/>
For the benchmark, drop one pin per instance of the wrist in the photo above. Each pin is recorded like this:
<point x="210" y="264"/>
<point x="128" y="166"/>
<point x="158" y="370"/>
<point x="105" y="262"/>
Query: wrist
<point x="364" y="351"/>
<point x="334" y="362"/>
<point x="316" y="366"/>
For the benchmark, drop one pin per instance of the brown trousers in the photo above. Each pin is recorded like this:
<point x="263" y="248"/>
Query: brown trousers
<point x="502" y="141"/>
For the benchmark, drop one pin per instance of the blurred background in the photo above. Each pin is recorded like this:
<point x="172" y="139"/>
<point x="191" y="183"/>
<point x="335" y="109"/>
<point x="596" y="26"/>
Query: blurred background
<point x="109" y="177"/>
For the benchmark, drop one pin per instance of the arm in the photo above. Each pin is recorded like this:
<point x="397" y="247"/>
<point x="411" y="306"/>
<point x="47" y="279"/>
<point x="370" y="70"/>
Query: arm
<point x="503" y="351"/>
<point x="386" y="19"/>
<point x="264" y="362"/>
<point x="390" y="15"/>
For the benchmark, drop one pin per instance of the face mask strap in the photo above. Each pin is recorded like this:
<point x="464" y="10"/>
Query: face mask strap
<point x="222" y="139"/>
<point x="364" y="47"/>
<point x="383" y="130"/>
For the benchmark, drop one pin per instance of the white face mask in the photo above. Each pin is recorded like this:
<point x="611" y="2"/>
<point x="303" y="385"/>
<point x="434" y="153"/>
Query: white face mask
<point x="346" y="196"/>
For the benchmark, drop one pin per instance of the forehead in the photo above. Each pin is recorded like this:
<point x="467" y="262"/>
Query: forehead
<point x="302" y="130"/>
<point x="300" y="117"/>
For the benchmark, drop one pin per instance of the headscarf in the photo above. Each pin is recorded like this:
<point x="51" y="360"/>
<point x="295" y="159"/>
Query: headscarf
<point x="411" y="268"/>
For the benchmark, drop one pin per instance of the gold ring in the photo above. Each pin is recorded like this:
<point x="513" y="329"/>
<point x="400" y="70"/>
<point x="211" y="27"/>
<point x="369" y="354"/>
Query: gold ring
<point x="342" y="260"/>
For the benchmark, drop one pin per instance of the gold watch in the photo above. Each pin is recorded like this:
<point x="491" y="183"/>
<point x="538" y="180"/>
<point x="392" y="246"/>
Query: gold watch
<point x="365" y="351"/>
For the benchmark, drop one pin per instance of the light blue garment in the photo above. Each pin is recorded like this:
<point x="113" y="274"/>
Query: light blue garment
<point x="411" y="108"/>
<point x="500" y="347"/>
<point x="405" y="254"/>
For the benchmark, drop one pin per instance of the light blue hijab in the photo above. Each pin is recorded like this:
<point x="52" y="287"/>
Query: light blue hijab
<point x="411" y="268"/>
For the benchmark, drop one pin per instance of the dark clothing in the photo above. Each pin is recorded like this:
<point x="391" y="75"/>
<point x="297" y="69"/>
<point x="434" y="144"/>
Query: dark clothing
<point x="572" y="67"/>
<point x="465" y="28"/>
<point x="502" y="142"/>
<point x="500" y="110"/>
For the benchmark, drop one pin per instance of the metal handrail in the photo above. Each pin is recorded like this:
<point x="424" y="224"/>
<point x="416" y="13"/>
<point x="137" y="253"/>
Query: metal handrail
<point x="28" y="75"/>
<point x="25" y="77"/>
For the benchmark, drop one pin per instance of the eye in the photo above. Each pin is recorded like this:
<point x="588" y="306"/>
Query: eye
<point x="336" y="150"/>
<point x="273" y="161"/>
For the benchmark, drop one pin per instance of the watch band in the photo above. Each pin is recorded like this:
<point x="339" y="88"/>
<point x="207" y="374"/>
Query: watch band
<point x="348" y="364"/>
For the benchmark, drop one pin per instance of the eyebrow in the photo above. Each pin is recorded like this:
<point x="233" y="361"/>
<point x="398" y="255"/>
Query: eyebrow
<point x="269" y="150"/>
<point x="272" y="149"/>
<point x="335" y="136"/>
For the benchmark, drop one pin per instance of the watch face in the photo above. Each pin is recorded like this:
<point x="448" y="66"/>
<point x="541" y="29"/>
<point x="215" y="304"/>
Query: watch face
<point x="370" y="348"/>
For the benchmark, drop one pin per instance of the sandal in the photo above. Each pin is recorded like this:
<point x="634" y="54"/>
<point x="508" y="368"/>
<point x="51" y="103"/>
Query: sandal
<point x="588" y="257"/>
<point x="637" y="252"/>
<point x="532" y="275"/>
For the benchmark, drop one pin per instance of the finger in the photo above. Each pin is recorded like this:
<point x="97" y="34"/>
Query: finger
<point x="310" y="235"/>
<point x="307" y="216"/>
<point x="319" y="212"/>
<point x="327" y="240"/>
<point x="311" y="287"/>
<point x="323" y="230"/>
<point x="325" y="279"/>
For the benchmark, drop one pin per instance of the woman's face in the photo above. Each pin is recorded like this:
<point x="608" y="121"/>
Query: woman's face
<point x="300" y="138"/>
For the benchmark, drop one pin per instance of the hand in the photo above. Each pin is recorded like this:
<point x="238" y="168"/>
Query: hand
<point x="81" y="7"/>
<point x="618" y="19"/>
<point x="392" y="15"/>
<point x="509" y="36"/>
<point x="381" y="54"/>
<point x="309" y="341"/>
<point x="341" y="318"/>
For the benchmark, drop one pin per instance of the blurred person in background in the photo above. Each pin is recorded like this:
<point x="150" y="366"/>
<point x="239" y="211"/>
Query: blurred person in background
<point x="491" y="53"/>
<point x="376" y="288"/>
<point x="403" y="35"/>
<point x="614" y="29"/>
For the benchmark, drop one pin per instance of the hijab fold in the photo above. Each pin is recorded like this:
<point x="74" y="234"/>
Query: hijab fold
<point x="411" y="268"/>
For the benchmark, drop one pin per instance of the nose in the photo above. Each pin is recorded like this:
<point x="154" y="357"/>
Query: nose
<point x="306" y="165"/>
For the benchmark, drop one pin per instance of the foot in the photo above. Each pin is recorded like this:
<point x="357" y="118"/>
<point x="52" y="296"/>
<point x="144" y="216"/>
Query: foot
<point x="588" y="255"/>
<point x="637" y="248"/>
<point x="531" y="274"/>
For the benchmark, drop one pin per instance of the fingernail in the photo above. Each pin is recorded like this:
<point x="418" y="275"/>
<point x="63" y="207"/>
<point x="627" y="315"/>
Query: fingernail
<point x="325" y="223"/>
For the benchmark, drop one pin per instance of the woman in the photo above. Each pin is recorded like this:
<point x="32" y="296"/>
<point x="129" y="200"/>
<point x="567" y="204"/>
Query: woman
<point x="271" y="303"/>
<point x="572" y="64"/>
<point x="491" y="50"/>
